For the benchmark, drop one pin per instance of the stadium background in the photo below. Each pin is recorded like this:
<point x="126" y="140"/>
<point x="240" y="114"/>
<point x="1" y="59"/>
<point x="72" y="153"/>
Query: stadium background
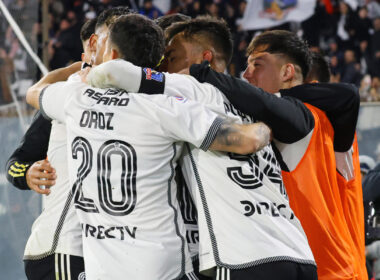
<point x="346" y="32"/>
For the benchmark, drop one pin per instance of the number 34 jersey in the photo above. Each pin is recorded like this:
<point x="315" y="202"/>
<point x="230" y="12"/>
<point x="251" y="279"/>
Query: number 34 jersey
<point x="122" y="151"/>
<point x="244" y="216"/>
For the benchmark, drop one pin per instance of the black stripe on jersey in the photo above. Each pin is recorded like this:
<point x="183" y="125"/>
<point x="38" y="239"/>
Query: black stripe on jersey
<point x="205" y="206"/>
<point x="211" y="134"/>
<point x="214" y="243"/>
<point x="171" y="178"/>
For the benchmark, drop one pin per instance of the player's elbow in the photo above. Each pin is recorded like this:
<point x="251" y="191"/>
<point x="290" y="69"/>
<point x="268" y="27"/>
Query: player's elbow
<point x="32" y="97"/>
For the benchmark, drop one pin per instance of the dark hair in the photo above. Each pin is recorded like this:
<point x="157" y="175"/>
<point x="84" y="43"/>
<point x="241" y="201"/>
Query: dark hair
<point x="285" y="43"/>
<point x="138" y="39"/>
<point x="206" y="29"/>
<point x="109" y="15"/>
<point x="320" y="69"/>
<point x="167" y="20"/>
<point x="88" y="28"/>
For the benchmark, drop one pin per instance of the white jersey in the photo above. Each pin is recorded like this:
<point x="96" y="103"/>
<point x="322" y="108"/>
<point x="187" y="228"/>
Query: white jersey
<point x="57" y="229"/>
<point x="243" y="211"/>
<point x="122" y="152"/>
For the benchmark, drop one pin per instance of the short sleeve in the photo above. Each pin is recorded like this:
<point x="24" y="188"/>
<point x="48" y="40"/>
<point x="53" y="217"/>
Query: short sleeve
<point x="52" y="101"/>
<point x="187" y="120"/>
<point x="53" y="98"/>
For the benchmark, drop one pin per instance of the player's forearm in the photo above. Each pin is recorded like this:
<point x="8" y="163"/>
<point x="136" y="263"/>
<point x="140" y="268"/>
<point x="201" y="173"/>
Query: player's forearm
<point x="116" y="73"/>
<point x="241" y="139"/>
<point x="61" y="74"/>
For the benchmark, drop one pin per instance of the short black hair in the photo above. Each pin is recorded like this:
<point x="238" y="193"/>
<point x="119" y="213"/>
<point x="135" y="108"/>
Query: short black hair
<point x="167" y="20"/>
<point x="285" y="43"/>
<point x="109" y="15"/>
<point x="138" y="39"/>
<point x="206" y="29"/>
<point x="320" y="69"/>
<point x="88" y="28"/>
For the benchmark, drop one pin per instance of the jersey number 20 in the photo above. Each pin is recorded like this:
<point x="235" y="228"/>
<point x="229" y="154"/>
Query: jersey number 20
<point x="128" y="158"/>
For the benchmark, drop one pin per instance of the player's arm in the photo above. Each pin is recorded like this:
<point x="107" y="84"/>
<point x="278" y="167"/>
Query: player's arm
<point x="122" y="74"/>
<point x="289" y="118"/>
<point x="61" y="74"/>
<point x="21" y="168"/>
<point x="240" y="138"/>
<point x="341" y="103"/>
<point x="190" y="121"/>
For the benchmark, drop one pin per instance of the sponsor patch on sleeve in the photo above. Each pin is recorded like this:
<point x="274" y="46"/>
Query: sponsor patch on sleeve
<point x="152" y="82"/>
<point x="153" y="75"/>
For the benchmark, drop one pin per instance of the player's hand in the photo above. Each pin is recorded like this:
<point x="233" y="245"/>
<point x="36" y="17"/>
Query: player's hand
<point x="84" y="73"/>
<point x="41" y="173"/>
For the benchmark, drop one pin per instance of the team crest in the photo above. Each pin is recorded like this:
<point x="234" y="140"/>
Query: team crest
<point x="277" y="9"/>
<point x="153" y="75"/>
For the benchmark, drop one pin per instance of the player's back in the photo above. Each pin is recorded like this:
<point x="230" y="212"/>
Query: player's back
<point x="241" y="200"/>
<point x="314" y="196"/>
<point x="123" y="151"/>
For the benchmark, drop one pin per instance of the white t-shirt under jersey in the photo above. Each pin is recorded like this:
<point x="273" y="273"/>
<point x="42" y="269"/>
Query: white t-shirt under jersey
<point x="122" y="153"/>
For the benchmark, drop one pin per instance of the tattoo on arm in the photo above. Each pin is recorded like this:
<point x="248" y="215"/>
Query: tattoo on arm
<point x="228" y="135"/>
<point x="241" y="139"/>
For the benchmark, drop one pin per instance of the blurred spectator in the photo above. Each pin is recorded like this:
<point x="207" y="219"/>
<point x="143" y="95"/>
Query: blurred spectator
<point x="374" y="90"/>
<point x="374" y="9"/>
<point x="376" y="46"/>
<point x="150" y="10"/>
<point x="351" y="70"/>
<point x="346" y="26"/>
<point x="5" y="70"/>
<point x="363" y="25"/>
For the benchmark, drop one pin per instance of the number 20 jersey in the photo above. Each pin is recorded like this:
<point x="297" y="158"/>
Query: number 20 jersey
<point x="122" y="153"/>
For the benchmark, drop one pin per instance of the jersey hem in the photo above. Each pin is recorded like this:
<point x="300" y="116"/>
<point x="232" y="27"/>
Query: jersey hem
<point x="261" y="261"/>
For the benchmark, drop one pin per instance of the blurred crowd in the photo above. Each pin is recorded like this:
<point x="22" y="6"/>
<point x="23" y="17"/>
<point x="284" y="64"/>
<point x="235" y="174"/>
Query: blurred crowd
<point x="349" y="38"/>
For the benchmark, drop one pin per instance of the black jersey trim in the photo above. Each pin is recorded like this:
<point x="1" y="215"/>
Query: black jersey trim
<point x="57" y="232"/>
<point x="211" y="134"/>
<point x="171" y="178"/>
<point x="205" y="206"/>
<point x="43" y="113"/>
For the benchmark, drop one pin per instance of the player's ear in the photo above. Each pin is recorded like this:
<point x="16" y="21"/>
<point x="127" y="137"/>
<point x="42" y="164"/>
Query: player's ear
<point x="287" y="72"/>
<point x="208" y="55"/>
<point x="92" y="42"/>
<point x="114" y="54"/>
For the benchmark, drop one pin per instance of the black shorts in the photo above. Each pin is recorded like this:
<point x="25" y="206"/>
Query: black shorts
<point x="284" y="270"/>
<point x="55" y="267"/>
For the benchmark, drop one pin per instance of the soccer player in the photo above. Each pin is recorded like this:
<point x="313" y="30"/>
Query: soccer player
<point x="123" y="148"/>
<point x="350" y="190"/>
<point x="55" y="244"/>
<point x="278" y="62"/>
<point x="247" y="229"/>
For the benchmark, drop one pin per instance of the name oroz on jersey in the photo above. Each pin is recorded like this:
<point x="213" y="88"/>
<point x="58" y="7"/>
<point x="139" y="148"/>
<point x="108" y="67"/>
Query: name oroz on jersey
<point x="107" y="232"/>
<point x="112" y="97"/>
